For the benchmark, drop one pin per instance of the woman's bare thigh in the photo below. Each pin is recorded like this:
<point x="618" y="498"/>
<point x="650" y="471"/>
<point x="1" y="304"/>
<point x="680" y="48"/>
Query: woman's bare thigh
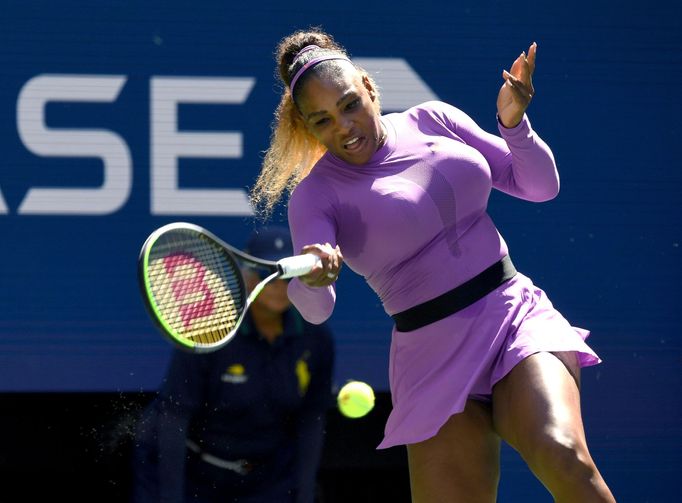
<point x="460" y="463"/>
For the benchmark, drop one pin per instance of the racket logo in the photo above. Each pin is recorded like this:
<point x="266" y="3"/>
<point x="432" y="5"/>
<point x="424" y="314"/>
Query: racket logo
<point x="189" y="287"/>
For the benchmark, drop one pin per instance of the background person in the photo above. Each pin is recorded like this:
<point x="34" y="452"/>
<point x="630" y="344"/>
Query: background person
<point x="244" y="423"/>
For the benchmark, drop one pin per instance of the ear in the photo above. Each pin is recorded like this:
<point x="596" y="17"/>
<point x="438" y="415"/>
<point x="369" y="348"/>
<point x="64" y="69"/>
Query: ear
<point x="368" y="85"/>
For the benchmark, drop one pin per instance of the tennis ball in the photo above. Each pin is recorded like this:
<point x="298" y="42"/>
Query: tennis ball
<point x="355" y="399"/>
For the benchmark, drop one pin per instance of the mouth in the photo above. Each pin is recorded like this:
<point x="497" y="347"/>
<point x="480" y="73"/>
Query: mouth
<point x="354" y="144"/>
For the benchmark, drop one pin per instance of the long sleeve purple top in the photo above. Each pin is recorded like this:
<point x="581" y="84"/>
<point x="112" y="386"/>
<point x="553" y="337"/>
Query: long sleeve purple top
<point x="413" y="221"/>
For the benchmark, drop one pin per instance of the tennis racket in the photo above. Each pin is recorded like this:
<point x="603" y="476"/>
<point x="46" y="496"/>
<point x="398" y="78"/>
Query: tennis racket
<point x="193" y="287"/>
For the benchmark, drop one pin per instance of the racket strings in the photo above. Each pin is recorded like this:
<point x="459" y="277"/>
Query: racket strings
<point x="197" y="287"/>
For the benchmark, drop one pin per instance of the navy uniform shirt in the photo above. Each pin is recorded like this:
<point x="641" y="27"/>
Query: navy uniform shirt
<point x="252" y="400"/>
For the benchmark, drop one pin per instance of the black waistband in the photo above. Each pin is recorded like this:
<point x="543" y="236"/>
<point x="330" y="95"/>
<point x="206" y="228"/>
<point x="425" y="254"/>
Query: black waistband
<point x="456" y="299"/>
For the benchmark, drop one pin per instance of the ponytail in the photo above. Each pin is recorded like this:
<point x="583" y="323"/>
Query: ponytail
<point x="292" y="153"/>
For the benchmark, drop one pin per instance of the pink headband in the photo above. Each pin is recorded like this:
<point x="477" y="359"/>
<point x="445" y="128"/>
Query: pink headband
<point x="311" y="63"/>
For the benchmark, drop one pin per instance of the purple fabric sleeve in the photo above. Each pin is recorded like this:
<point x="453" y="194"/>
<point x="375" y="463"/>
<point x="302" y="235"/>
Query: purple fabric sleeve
<point x="310" y="223"/>
<point x="533" y="175"/>
<point x="521" y="163"/>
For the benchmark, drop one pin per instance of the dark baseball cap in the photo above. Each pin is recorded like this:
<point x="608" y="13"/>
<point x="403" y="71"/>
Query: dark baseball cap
<point x="270" y="243"/>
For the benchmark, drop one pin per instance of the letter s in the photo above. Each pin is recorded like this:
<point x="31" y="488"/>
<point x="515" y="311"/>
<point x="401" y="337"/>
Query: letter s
<point x="47" y="142"/>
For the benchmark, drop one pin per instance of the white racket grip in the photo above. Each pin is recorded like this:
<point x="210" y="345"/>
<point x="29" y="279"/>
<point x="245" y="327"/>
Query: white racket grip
<point x="298" y="265"/>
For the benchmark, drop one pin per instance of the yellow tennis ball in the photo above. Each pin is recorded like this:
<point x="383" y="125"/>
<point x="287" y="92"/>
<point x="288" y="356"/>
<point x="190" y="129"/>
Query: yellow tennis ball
<point x="355" y="399"/>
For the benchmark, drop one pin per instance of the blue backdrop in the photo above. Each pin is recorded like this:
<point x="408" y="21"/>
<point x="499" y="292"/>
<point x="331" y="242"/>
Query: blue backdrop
<point x="117" y="117"/>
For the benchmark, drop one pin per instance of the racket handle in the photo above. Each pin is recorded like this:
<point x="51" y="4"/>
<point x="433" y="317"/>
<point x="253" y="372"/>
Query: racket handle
<point x="297" y="265"/>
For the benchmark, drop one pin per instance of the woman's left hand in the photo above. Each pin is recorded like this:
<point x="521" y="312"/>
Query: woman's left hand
<point x="517" y="90"/>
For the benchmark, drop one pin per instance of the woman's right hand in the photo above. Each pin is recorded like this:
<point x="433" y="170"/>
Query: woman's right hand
<point x="326" y="274"/>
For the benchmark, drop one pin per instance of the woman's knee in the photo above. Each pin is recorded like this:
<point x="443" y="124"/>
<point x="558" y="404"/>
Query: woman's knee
<point x="558" y="455"/>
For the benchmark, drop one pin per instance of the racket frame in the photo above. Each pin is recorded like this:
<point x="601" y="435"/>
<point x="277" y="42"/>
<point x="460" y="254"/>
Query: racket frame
<point x="238" y="258"/>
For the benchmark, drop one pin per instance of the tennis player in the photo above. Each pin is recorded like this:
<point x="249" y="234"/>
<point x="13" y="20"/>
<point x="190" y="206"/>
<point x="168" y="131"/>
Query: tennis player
<point x="478" y="351"/>
<point x="243" y="424"/>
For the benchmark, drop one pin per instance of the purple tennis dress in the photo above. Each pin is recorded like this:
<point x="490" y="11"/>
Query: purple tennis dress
<point x="413" y="223"/>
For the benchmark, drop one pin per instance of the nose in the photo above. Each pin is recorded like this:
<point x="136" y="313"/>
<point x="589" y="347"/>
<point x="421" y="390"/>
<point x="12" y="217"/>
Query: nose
<point x="344" y="125"/>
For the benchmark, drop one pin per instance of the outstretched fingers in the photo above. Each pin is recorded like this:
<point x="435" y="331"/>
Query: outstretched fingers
<point x="532" y="50"/>
<point x="524" y="65"/>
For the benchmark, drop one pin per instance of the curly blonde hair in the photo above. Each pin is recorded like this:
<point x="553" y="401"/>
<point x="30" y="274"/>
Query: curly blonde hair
<point x="293" y="150"/>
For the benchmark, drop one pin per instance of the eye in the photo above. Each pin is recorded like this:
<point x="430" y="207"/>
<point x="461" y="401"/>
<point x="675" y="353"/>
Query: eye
<point x="321" y="122"/>
<point x="353" y="104"/>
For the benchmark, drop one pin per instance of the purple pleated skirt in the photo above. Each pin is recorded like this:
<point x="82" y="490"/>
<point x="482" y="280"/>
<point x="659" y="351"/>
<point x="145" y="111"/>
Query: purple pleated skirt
<point x="435" y="369"/>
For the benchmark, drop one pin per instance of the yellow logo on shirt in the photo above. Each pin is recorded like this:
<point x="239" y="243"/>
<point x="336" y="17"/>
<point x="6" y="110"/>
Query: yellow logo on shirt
<point x="237" y="369"/>
<point x="235" y="373"/>
<point x="303" y="373"/>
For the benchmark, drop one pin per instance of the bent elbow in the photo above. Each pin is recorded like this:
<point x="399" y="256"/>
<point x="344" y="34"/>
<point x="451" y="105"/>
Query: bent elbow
<point x="547" y="192"/>
<point x="547" y="196"/>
